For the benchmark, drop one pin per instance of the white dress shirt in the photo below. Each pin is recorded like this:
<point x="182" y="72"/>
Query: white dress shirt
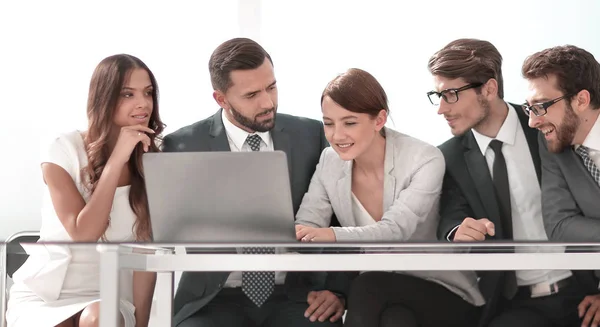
<point x="592" y="142"/>
<point x="525" y="193"/>
<point x="237" y="142"/>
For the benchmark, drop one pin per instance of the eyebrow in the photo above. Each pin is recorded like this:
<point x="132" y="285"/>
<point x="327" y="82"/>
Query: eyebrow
<point x="343" y="118"/>
<point x="254" y="92"/>
<point x="131" y="88"/>
<point x="538" y="100"/>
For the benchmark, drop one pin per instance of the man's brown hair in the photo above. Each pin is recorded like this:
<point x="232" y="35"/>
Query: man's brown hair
<point x="476" y="61"/>
<point x="234" y="54"/>
<point x="575" y="70"/>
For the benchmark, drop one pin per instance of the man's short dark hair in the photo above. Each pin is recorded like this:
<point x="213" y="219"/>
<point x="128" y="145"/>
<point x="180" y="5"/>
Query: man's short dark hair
<point x="235" y="54"/>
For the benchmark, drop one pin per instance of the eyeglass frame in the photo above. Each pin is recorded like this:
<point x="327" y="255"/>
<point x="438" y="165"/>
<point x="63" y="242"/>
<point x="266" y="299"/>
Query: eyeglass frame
<point x="545" y="105"/>
<point x="442" y="94"/>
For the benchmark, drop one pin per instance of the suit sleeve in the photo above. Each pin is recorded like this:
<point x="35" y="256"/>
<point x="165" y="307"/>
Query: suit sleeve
<point x="315" y="209"/>
<point x="454" y="208"/>
<point x="168" y="144"/>
<point x="563" y="219"/>
<point x="412" y="206"/>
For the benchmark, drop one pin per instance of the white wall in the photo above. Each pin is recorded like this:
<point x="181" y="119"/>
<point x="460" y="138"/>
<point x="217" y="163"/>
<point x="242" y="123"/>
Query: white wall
<point x="48" y="50"/>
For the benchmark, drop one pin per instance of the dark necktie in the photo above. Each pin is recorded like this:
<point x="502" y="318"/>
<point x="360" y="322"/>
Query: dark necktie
<point x="584" y="153"/>
<point x="502" y="189"/>
<point x="257" y="285"/>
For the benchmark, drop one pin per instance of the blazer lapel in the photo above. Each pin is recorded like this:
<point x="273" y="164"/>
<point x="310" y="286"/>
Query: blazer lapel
<point x="389" y="183"/>
<point x="344" y="193"/>
<point x="479" y="171"/>
<point x="531" y="134"/>
<point x="218" y="140"/>
<point x="281" y="142"/>
<point x="580" y="169"/>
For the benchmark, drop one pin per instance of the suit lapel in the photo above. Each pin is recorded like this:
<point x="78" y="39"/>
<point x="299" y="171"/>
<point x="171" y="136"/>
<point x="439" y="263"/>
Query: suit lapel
<point x="344" y="192"/>
<point x="218" y="140"/>
<point x="480" y="173"/>
<point x="389" y="183"/>
<point x="531" y="134"/>
<point x="580" y="169"/>
<point x="281" y="142"/>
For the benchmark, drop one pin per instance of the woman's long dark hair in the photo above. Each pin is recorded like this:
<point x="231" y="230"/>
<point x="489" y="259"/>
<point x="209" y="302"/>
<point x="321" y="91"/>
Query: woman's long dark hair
<point x="105" y="89"/>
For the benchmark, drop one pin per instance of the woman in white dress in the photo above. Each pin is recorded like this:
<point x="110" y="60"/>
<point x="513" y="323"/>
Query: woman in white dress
<point x="94" y="192"/>
<point x="383" y="186"/>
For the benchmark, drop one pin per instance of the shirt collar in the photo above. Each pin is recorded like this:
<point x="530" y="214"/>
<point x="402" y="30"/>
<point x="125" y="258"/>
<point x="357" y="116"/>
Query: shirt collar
<point x="238" y="136"/>
<point x="507" y="133"/>
<point x="592" y="140"/>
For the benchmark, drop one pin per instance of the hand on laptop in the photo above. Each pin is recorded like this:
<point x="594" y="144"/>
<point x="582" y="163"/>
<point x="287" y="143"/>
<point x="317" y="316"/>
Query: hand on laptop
<point x="323" y="305"/>
<point x="589" y="310"/>
<point x="312" y="234"/>
<point x="474" y="230"/>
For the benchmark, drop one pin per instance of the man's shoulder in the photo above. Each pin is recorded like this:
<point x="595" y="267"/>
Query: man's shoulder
<point x="192" y="130"/>
<point x="451" y="146"/>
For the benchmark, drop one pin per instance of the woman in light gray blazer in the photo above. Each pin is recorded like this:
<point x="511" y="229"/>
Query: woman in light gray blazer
<point x="382" y="186"/>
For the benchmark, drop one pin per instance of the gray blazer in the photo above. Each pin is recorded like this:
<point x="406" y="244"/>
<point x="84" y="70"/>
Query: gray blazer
<point x="414" y="171"/>
<point x="570" y="197"/>
<point x="302" y="139"/>
<point x="570" y="203"/>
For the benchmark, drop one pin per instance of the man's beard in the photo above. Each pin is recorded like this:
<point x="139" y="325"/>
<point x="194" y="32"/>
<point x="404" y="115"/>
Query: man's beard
<point x="565" y="132"/>
<point x="485" y="113"/>
<point x="254" y="124"/>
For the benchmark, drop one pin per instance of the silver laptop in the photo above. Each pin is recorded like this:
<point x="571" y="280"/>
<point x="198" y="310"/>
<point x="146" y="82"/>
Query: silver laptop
<point x="219" y="197"/>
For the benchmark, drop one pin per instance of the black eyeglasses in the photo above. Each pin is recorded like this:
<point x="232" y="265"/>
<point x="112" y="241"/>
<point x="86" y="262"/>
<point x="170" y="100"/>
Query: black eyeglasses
<point x="449" y="95"/>
<point x="540" y="109"/>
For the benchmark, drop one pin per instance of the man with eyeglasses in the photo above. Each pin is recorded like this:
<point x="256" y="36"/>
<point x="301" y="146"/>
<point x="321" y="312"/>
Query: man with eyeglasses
<point x="491" y="188"/>
<point x="563" y="104"/>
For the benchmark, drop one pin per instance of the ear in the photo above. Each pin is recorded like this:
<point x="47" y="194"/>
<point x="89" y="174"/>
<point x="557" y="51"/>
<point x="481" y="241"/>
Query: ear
<point x="220" y="99"/>
<point x="381" y="119"/>
<point x="490" y="89"/>
<point x="581" y="101"/>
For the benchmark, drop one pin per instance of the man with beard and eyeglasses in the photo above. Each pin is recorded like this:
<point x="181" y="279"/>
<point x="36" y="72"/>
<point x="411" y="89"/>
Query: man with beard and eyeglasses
<point x="563" y="104"/>
<point x="245" y="88"/>
<point x="491" y="190"/>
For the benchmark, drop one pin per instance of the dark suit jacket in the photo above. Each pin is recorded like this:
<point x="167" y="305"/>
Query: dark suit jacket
<point x="468" y="191"/>
<point x="303" y="140"/>
<point x="570" y="202"/>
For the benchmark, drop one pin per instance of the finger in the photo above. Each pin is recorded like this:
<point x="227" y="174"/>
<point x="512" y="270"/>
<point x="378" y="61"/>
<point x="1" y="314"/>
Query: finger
<point x="489" y="226"/>
<point x="476" y="233"/>
<point x="142" y="128"/>
<point x="491" y="229"/>
<point x="338" y="314"/>
<point x="596" y="319"/>
<point x="462" y="237"/>
<point x="331" y="309"/>
<point x="313" y="307"/>
<point x="582" y="307"/>
<point x="477" y="225"/>
<point x="467" y="234"/>
<point x="325" y="304"/>
<point x="312" y="295"/>
<point x="147" y="142"/>
<point x="299" y="228"/>
<point x="328" y="312"/>
<point x="302" y="233"/>
<point x="308" y="237"/>
<point x="595" y="314"/>
<point x="589" y="315"/>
